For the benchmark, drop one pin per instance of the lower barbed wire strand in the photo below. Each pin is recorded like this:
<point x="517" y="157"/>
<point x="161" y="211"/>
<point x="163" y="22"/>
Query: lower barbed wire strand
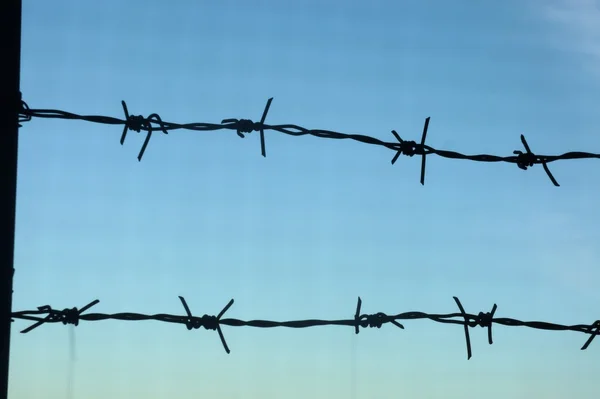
<point x="376" y="320"/>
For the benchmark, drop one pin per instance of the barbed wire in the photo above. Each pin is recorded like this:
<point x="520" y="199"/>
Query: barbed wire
<point x="483" y="319"/>
<point x="154" y="123"/>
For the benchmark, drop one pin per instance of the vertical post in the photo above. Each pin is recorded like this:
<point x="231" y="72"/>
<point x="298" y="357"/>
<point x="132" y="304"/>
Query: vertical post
<point x="10" y="49"/>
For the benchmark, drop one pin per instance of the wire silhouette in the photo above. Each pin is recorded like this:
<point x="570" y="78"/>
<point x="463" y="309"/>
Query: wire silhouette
<point x="154" y="123"/>
<point x="483" y="319"/>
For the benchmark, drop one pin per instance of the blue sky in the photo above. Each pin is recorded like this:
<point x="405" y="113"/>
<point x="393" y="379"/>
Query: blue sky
<point x="303" y="232"/>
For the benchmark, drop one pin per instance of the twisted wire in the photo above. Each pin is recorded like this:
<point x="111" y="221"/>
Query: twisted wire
<point x="376" y="320"/>
<point x="154" y="123"/>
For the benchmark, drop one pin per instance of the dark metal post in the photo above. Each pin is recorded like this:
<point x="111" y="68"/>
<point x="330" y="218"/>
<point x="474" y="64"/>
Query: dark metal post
<point x="10" y="39"/>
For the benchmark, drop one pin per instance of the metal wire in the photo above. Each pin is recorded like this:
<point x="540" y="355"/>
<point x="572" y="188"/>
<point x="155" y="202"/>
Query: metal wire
<point x="377" y="320"/>
<point x="154" y="123"/>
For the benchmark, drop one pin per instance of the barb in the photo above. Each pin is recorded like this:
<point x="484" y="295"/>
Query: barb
<point x="409" y="148"/>
<point x="467" y="320"/>
<point x="66" y="316"/>
<point x="206" y="321"/>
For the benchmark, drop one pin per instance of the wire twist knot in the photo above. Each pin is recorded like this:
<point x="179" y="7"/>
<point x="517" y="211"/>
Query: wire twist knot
<point x="210" y="322"/>
<point x="528" y="158"/>
<point x="525" y="159"/>
<point x="67" y="316"/>
<point x="247" y="126"/>
<point x="136" y="122"/>
<point x="373" y="320"/>
<point x="483" y="320"/>
<point x="242" y="126"/>
<point x="409" y="148"/>
<point x="206" y="321"/>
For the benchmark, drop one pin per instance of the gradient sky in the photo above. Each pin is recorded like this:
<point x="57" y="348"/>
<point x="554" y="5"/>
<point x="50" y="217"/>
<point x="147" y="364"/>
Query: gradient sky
<point x="303" y="232"/>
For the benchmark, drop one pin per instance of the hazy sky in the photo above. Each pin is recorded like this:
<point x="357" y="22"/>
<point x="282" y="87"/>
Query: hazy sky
<point x="303" y="232"/>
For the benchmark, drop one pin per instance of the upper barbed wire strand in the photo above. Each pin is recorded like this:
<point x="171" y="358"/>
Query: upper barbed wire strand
<point x="153" y="123"/>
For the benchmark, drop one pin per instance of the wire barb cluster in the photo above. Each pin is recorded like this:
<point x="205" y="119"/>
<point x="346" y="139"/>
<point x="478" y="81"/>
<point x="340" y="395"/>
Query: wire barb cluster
<point x="152" y="123"/>
<point x="376" y="320"/>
